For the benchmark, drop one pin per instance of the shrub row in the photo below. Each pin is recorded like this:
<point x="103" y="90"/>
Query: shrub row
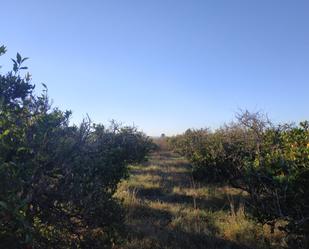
<point x="270" y="162"/>
<point x="57" y="180"/>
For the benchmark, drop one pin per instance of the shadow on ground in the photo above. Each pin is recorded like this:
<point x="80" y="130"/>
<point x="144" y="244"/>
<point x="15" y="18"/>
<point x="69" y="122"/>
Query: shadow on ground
<point x="157" y="227"/>
<point x="152" y="228"/>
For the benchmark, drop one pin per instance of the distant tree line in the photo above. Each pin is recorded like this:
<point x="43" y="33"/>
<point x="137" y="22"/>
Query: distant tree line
<point x="270" y="162"/>
<point x="57" y="180"/>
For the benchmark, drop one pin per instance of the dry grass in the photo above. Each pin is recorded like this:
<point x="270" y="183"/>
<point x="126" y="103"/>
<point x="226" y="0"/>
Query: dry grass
<point x="166" y="208"/>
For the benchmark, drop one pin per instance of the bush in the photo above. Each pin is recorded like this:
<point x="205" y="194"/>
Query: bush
<point x="270" y="162"/>
<point x="57" y="180"/>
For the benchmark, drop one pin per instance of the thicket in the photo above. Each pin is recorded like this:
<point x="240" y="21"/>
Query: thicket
<point x="57" y="180"/>
<point x="270" y="162"/>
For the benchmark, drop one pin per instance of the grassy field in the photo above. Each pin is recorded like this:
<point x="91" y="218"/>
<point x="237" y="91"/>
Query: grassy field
<point x="166" y="208"/>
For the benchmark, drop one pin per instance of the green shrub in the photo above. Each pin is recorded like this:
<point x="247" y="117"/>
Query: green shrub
<point x="270" y="162"/>
<point x="57" y="180"/>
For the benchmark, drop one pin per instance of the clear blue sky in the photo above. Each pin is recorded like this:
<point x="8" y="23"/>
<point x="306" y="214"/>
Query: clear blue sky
<point x="165" y="65"/>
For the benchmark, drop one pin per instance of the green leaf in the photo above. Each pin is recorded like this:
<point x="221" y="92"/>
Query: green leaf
<point x="2" y="50"/>
<point x="26" y="58"/>
<point x="18" y="57"/>
<point x="5" y="133"/>
<point x="21" y="149"/>
<point x="15" y="68"/>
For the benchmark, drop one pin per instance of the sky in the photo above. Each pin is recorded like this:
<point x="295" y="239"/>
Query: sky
<point x="164" y="65"/>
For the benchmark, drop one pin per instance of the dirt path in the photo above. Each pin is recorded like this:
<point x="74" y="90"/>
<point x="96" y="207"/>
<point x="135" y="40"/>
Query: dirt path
<point x="167" y="209"/>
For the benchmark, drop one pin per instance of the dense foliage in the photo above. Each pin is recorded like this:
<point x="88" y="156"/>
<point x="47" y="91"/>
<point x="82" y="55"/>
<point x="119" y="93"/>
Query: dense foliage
<point x="57" y="180"/>
<point x="270" y="162"/>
